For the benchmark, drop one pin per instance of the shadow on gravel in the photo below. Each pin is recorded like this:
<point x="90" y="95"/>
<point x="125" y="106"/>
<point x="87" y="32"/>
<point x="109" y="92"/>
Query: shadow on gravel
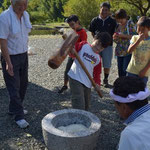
<point x="41" y="101"/>
<point x="111" y="125"/>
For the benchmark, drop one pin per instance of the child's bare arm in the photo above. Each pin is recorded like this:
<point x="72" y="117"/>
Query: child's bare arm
<point x="133" y="46"/>
<point x="144" y="70"/>
<point x="124" y="36"/>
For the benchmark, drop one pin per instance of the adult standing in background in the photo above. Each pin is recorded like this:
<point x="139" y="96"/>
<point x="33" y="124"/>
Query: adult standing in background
<point x="14" y="28"/>
<point x="104" y="23"/>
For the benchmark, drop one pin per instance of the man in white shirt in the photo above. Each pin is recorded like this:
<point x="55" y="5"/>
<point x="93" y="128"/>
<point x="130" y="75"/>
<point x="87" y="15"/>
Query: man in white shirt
<point x="130" y="96"/>
<point x="14" y="28"/>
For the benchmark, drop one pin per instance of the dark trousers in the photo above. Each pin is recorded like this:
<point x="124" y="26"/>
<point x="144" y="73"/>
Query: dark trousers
<point x="17" y="84"/>
<point x="123" y="64"/>
<point x="68" y="66"/>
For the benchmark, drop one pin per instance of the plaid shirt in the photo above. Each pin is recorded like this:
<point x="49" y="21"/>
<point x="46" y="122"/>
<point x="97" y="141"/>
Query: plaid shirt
<point x="137" y="113"/>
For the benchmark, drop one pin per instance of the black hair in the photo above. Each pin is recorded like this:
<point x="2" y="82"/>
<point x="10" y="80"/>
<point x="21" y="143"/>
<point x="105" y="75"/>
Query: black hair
<point x="121" y="14"/>
<point x="123" y="86"/>
<point x="144" y="22"/>
<point x="105" y="4"/>
<point x="72" y="18"/>
<point x="104" y="38"/>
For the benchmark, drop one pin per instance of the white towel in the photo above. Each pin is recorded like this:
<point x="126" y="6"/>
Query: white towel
<point x="15" y="23"/>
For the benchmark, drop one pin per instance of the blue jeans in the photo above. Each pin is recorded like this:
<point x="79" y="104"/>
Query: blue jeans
<point x="123" y="64"/>
<point x="144" y="79"/>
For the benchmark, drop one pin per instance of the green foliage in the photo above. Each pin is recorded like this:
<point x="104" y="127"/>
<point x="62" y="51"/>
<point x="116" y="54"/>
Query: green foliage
<point x="141" y="6"/>
<point x="42" y="11"/>
<point x="36" y="11"/>
<point x="4" y="4"/>
<point x="84" y="9"/>
<point x="132" y="11"/>
<point x="34" y="5"/>
<point x="37" y="17"/>
<point x="54" y="8"/>
<point x="1" y="3"/>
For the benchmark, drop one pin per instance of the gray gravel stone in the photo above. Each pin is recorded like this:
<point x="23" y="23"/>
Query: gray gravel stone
<point x="42" y="98"/>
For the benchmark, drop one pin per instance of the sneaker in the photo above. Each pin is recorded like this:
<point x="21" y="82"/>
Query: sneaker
<point x="64" y="88"/>
<point x="22" y="123"/>
<point x="12" y="113"/>
<point x="106" y="84"/>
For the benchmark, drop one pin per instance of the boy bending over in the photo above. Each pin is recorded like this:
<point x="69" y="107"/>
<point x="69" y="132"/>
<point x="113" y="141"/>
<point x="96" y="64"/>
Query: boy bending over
<point x="80" y="84"/>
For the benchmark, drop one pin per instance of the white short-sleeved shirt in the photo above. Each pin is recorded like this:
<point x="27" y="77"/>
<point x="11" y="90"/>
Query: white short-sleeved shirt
<point x="136" y="136"/>
<point x="90" y="59"/>
<point x="16" y="43"/>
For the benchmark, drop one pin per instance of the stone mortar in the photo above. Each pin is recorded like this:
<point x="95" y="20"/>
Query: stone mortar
<point x="56" y="139"/>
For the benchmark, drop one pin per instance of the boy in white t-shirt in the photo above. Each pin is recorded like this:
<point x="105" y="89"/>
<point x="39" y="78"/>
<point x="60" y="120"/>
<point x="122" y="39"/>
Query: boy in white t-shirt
<point x="80" y="84"/>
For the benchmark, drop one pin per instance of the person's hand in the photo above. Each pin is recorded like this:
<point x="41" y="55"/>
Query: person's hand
<point x="9" y="68"/>
<point x="71" y="52"/>
<point x="97" y="87"/>
<point x="115" y="36"/>
<point x="98" y="90"/>
<point x="121" y="36"/>
<point x="64" y="36"/>
<point x="142" y="73"/>
<point x="141" y="37"/>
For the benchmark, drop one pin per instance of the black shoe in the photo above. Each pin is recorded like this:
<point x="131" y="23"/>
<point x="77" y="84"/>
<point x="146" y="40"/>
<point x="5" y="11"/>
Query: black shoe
<point x="106" y="84"/>
<point x="64" y="88"/>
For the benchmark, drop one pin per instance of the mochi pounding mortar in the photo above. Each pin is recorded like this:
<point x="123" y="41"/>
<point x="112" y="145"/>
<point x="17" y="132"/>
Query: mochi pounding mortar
<point x="56" y="139"/>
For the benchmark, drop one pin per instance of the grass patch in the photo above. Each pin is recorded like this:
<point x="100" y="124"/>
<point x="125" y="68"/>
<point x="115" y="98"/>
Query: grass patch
<point x="48" y="29"/>
<point x="52" y="25"/>
<point x="43" y="32"/>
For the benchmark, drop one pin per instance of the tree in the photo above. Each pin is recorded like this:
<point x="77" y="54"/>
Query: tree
<point x="84" y="9"/>
<point x="142" y="5"/>
<point x="54" y="8"/>
<point x="1" y="3"/>
<point x="4" y="4"/>
<point x="36" y="11"/>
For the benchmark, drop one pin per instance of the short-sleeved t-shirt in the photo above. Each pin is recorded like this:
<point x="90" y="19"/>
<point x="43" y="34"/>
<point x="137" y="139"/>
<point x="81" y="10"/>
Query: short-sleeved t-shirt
<point x="99" y="25"/>
<point x="140" y="56"/>
<point x="90" y="59"/>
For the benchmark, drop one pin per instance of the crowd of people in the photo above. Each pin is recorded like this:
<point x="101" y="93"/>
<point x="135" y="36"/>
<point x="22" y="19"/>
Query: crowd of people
<point x="129" y="91"/>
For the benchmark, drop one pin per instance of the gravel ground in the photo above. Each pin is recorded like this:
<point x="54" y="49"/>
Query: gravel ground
<point x="42" y="98"/>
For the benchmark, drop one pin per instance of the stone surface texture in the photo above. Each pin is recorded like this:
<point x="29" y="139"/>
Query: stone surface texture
<point x="56" y="139"/>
